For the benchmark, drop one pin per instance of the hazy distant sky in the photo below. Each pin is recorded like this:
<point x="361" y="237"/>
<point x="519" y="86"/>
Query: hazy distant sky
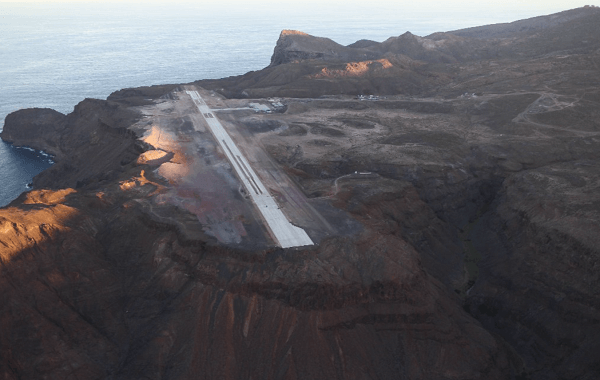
<point x="547" y="5"/>
<point x="313" y="16"/>
<point x="496" y="11"/>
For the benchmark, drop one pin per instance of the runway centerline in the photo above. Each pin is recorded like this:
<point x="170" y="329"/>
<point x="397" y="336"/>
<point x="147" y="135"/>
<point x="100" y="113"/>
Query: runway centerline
<point x="285" y="234"/>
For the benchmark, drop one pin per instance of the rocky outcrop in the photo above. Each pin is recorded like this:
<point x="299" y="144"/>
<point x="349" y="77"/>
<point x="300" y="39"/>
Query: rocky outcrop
<point x="38" y="126"/>
<point x="294" y="46"/>
<point x="90" y="144"/>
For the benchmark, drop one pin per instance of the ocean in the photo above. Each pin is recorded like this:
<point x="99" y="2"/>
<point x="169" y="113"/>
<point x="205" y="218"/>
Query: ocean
<point x="55" y="54"/>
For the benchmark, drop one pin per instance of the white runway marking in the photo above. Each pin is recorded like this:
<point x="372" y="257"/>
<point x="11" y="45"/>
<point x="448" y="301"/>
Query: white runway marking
<point x="285" y="233"/>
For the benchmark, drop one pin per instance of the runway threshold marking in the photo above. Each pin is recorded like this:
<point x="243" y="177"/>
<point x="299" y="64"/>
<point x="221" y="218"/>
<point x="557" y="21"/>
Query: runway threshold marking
<point x="285" y="233"/>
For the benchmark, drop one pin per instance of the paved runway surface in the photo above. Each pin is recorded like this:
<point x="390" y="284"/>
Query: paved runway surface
<point x="286" y="234"/>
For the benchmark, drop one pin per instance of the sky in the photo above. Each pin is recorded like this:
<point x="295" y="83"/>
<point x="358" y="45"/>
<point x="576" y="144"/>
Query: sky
<point x="317" y="17"/>
<point x="500" y="10"/>
<point x="425" y="4"/>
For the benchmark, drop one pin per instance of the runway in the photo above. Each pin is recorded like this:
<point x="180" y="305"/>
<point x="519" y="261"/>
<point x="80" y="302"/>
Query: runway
<point x="285" y="234"/>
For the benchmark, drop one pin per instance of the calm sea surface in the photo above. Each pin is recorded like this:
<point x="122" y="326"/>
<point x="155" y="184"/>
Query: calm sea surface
<point x="56" y="54"/>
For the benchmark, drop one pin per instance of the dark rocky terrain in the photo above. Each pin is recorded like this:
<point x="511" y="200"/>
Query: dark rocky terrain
<point x="477" y="255"/>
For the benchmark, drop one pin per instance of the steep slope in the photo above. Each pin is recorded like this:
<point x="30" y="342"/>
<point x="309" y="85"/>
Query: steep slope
<point x="103" y="291"/>
<point x="542" y="244"/>
<point x="294" y="46"/>
<point x="98" y="126"/>
<point x="527" y="26"/>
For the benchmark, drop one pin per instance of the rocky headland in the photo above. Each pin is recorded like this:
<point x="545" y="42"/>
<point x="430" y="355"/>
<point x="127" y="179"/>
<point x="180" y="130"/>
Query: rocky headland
<point x="451" y="184"/>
